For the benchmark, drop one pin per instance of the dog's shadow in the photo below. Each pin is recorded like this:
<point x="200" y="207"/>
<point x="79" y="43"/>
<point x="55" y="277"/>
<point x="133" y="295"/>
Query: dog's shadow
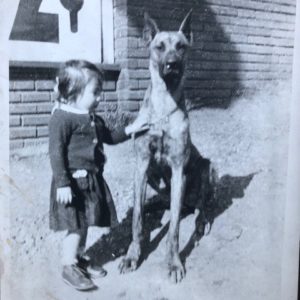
<point x="115" y="244"/>
<point x="227" y="189"/>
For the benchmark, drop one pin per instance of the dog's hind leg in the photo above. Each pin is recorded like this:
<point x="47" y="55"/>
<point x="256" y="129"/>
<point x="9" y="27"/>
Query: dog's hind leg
<point x="176" y="270"/>
<point x="208" y="184"/>
<point x="130" y="262"/>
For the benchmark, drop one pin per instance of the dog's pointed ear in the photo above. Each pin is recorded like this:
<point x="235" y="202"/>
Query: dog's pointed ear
<point x="150" y="28"/>
<point x="185" y="26"/>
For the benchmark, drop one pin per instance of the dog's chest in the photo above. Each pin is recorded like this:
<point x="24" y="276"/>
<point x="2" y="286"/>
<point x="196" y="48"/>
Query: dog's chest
<point x="168" y="137"/>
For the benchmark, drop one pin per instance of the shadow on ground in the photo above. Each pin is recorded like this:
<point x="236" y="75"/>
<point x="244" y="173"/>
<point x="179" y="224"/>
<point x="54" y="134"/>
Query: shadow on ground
<point x="227" y="189"/>
<point x="115" y="244"/>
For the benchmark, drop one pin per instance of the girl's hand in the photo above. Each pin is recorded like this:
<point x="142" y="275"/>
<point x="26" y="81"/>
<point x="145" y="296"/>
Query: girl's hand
<point x="64" y="195"/>
<point x="140" y="124"/>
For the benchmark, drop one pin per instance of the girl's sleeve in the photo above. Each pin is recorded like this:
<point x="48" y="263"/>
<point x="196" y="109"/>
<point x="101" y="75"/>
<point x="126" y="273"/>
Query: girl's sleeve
<point x="59" y="135"/>
<point x="114" y="136"/>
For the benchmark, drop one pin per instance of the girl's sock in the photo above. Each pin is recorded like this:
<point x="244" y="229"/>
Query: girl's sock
<point x="70" y="248"/>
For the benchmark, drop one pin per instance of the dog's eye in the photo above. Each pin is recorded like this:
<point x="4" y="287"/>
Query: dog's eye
<point x="160" y="47"/>
<point x="180" y="46"/>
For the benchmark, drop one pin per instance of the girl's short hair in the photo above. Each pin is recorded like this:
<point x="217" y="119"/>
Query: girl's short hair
<point x="73" y="77"/>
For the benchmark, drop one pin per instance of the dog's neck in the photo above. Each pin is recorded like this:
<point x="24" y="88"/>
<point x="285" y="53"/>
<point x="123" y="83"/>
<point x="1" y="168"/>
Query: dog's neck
<point x="164" y="98"/>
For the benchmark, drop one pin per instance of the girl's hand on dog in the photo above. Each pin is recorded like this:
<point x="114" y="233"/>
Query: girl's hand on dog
<point x="64" y="195"/>
<point x="139" y="125"/>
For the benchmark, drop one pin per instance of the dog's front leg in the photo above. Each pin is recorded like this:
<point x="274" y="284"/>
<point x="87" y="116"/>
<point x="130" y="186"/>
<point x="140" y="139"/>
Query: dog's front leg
<point x="175" y="267"/>
<point x="130" y="262"/>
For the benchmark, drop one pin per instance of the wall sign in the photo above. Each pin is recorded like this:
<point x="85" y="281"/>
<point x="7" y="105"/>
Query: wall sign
<point x="58" y="30"/>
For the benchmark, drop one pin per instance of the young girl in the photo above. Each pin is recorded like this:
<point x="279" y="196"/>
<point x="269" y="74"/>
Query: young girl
<point x="79" y="195"/>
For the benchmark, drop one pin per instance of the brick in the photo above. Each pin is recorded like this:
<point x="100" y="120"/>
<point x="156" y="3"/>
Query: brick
<point x="16" y="144"/>
<point x="130" y="95"/>
<point x="123" y="94"/>
<point x="36" y="142"/>
<point x="22" y="108"/>
<point x="139" y="74"/>
<point x="125" y="85"/>
<point x="254" y="5"/>
<point x="219" y="75"/>
<point x="143" y="84"/>
<point x="44" y="85"/>
<point x="44" y="107"/>
<point x="214" y="92"/>
<point x="126" y="42"/>
<point x="14" y="97"/>
<point x="122" y="84"/>
<point x="129" y="105"/>
<point x="111" y="107"/>
<point x="142" y="43"/>
<point x="35" y="96"/>
<point x="42" y="131"/>
<point x="110" y="96"/>
<point x="109" y="85"/>
<point x="223" y="10"/>
<point x="17" y="133"/>
<point x="121" y="21"/>
<point x="138" y="53"/>
<point x="104" y="106"/>
<point x="120" y="2"/>
<point x="270" y="41"/>
<point x="128" y="63"/>
<point x="263" y="49"/>
<point x="285" y="59"/>
<point x="230" y="66"/>
<point x="238" y="38"/>
<point x="211" y="56"/>
<point x="121" y="32"/>
<point x="35" y="120"/>
<point x="136" y="95"/>
<point x="143" y="63"/>
<point x="14" y="120"/>
<point x="133" y="84"/>
<point x="53" y="96"/>
<point x="282" y="34"/>
<point x="228" y="20"/>
<point x="121" y="12"/>
<point x="21" y="85"/>
<point x="133" y="28"/>
<point x="121" y="54"/>
<point x="210" y="84"/>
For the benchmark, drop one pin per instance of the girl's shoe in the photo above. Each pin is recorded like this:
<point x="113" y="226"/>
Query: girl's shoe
<point x="73" y="276"/>
<point x="85" y="265"/>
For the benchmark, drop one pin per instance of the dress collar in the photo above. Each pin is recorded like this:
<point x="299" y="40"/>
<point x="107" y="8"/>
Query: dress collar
<point x="69" y="108"/>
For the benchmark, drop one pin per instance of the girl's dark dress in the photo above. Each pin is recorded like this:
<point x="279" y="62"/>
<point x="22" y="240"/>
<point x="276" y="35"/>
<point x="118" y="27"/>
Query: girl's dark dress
<point x="76" y="143"/>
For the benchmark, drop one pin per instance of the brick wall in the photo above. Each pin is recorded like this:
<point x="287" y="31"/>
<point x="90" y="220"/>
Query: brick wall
<point x="238" y="46"/>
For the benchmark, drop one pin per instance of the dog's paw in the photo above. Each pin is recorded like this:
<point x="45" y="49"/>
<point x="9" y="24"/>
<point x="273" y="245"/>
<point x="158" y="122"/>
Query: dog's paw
<point x="176" y="272"/>
<point x="127" y="265"/>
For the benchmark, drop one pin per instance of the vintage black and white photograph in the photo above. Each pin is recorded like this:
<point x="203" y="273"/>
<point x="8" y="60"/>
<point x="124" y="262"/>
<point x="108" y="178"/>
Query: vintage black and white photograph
<point x="147" y="150"/>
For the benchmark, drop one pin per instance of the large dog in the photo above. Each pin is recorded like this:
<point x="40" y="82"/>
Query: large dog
<point x="166" y="151"/>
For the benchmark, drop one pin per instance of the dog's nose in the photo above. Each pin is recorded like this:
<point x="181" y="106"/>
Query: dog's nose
<point x="171" y="64"/>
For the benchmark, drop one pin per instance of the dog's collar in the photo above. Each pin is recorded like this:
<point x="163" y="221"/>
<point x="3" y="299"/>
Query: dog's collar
<point x="162" y="120"/>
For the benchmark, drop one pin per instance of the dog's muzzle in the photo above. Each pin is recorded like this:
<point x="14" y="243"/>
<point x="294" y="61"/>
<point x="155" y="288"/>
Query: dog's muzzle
<point x="172" y="67"/>
<point x="171" y="72"/>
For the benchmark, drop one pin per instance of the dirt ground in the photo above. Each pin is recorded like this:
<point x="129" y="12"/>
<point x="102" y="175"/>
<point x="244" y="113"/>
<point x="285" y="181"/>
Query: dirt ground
<point x="240" y="259"/>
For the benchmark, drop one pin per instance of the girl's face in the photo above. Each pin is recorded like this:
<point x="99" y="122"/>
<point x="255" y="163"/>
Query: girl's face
<point x="90" y="97"/>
